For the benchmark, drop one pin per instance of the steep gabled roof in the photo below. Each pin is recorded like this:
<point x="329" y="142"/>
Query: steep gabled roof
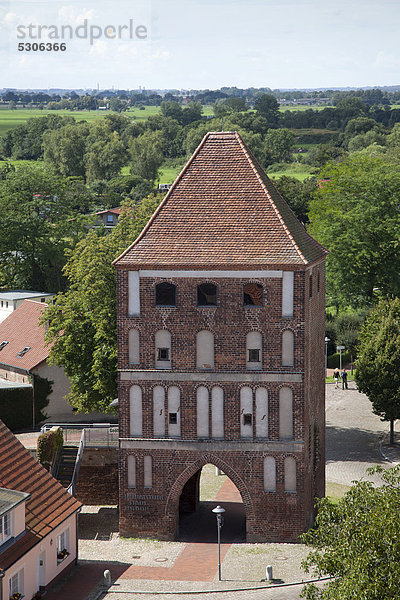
<point x="21" y="330"/>
<point x="222" y="212"/>
<point x="49" y="503"/>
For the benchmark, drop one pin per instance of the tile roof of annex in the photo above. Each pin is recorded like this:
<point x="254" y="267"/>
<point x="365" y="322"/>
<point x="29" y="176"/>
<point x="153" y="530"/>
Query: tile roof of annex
<point x="222" y="212"/>
<point x="21" y="330"/>
<point x="49" y="503"/>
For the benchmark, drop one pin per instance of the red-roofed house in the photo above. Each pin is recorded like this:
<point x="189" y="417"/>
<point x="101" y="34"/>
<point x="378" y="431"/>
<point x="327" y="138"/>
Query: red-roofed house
<point x="23" y="353"/>
<point x="38" y="533"/>
<point x="221" y="326"/>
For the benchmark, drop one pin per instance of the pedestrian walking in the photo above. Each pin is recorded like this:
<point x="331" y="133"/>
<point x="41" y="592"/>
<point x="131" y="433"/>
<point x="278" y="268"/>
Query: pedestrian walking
<point x="344" y="380"/>
<point x="336" y="376"/>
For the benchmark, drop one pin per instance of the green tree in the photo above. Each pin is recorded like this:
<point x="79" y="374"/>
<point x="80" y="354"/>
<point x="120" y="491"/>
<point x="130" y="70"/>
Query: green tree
<point x="378" y="362"/>
<point x="65" y="149"/>
<point x="278" y="145"/>
<point x="37" y="208"/>
<point x="82" y="321"/>
<point x="297" y="194"/>
<point x="146" y="154"/>
<point x="355" y="214"/>
<point x="104" y="159"/>
<point x="357" y="543"/>
<point x="268" y="106"/>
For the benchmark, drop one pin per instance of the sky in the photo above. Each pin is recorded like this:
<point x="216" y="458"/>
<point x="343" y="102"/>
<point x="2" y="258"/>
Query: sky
<point x="198" y="44"/>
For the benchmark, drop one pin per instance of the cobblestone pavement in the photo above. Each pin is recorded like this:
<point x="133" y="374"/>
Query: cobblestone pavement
<point x="354" y="435"/>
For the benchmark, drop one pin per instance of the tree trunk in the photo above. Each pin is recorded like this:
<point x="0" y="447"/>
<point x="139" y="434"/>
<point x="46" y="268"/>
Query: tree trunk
<point x="391" y="439"/>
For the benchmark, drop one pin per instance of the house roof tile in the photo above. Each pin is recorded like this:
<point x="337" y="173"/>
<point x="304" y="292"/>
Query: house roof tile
<point x="21" y="330"/>
<point x="222" y="212"/>
<point x="49" y="503"/>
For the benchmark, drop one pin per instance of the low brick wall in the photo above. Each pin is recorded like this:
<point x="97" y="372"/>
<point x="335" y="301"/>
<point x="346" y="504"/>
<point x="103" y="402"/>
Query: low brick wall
<point x="98" y="477"/>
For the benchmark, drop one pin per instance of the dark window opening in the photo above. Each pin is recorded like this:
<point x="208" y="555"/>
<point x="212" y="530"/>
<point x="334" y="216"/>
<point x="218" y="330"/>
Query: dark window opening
<point x="163" y="354"/>
<point x="254" y="355"/>
<point x="247" y="419"/>
<point x="318" y="282"/>
<point x="173" y="418"/>
<point x="253" y="294"/>
<point x="3" y="344"/>
<point x="207" y="294"/>
<point x="310" y="286"/>
<point x="165" y="294"/>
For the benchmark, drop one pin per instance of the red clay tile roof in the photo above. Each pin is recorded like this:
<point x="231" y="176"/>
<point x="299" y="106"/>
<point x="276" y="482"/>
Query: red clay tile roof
<point x="21" y="329"/>
<point x="49" y="504"/>
<point x="222" y="212"/>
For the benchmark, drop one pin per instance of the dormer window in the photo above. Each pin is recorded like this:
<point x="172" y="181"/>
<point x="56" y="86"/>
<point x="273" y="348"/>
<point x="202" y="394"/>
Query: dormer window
<point x="22" y="352"/>
<point x="3" y="344"/>
<point x="5" y="527"/>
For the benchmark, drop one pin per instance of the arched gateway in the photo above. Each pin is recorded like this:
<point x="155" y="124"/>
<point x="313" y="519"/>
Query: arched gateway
<point x="228" y="362"/>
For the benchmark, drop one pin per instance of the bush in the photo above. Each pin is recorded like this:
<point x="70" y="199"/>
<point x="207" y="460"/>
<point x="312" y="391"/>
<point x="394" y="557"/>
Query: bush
<point x="334" y="359"/>
<point x="48" y="445"/>
<point x="16" y="404"/>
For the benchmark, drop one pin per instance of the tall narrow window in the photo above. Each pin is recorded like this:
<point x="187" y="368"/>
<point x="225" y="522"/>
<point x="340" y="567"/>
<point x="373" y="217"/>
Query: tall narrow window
<point x="159" y="411"/>
<point x="246" y="412"/>
<point x="133" y="344"/>
<point x="285" y="413"/>
<point x="269" y="474"/>
<point x="202" y="412"/>
<point x="217" y="412"/>
<point x="207" y="294"/>
<point x="261" y="413"/>
<point x="148" y="471"/>
<point x="290" y="474"/>
<point x="318" y="281"/>
<point x="287" y="348"/>
<point x="310" y="283"/>
<point x="205" y="350"/>
<point x="174" y="411"/>
<point x="254" y="351"/>
<point x="16" y="584"/>
<point x="131" y="471"/>
<point x="136" y="418"/>
<point x="163" y="349"/>
<point x="253" y="294"/>
<point x="165" y="294"/>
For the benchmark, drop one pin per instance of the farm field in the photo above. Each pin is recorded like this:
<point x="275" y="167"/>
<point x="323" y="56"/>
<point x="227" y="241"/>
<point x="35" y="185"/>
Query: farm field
<point x="298" y="170"/>
<point x="291" y="108"/>
<point x="9" y="119"/>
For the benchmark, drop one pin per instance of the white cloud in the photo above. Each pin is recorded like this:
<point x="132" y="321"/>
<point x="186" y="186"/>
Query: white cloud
<point x="68" y="13"/>
<point x="160" y="55"/>
<point x="99" y="48"/>
<point x="385" y="60"/>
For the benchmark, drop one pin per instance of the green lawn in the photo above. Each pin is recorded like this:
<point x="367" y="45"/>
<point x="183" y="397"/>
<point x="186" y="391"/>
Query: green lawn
<point x="291" y="108"/>
<point x="18" y="163"/>
<point x="142" y="114"/>
<point x="298" y="170"/>
<point x="169" y="174"/>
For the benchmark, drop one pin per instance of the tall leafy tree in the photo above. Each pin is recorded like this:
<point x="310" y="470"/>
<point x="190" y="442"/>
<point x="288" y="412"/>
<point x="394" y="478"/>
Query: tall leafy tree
<point x="357" y="542"/>
<point x="82" y="321"/>
<point x="378" y="363"/>
<point x="38" y="225"/>
<point x="146" y="154"/>
<point x="356" y="215"/>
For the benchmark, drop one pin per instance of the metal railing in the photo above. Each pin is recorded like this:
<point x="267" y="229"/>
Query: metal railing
<point x="78" y="460"/>
<point x="97" y="435"/>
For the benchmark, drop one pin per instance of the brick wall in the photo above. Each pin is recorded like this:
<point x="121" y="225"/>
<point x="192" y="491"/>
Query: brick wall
<point x="98" y="477"/>
<point x="273" y="516"/>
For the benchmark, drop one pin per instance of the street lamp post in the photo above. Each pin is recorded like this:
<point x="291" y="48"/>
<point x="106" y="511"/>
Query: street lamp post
<point x="340" y="348"/>
<point x="219" y="513"/>
<point x="326" y="356"/>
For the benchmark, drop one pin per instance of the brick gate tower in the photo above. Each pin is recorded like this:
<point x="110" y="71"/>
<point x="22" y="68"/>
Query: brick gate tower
<point x="221" y="305"/>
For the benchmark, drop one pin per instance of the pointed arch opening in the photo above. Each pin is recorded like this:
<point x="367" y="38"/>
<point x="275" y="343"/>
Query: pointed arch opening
<point x="204" y="489"/>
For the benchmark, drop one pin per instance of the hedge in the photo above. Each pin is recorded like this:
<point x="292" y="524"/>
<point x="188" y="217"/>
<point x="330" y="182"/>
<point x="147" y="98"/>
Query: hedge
<point x="16" y="404"/>
<point x="334" y="359"/>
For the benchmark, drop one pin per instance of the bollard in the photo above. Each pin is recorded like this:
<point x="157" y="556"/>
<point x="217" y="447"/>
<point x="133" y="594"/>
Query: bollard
<point x="268" y="573"/>
<point x="107" y="578"/>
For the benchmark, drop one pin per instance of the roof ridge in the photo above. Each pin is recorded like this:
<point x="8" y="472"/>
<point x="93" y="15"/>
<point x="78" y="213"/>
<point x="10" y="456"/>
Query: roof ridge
<point x="162" y="204"/>
<point x="264" y="187"/>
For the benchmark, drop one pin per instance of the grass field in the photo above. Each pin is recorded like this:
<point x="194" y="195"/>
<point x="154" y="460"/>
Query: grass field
<point x="298" y="170"/>
<point x="282" y="108"/>
<point x="9" y="119"/>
